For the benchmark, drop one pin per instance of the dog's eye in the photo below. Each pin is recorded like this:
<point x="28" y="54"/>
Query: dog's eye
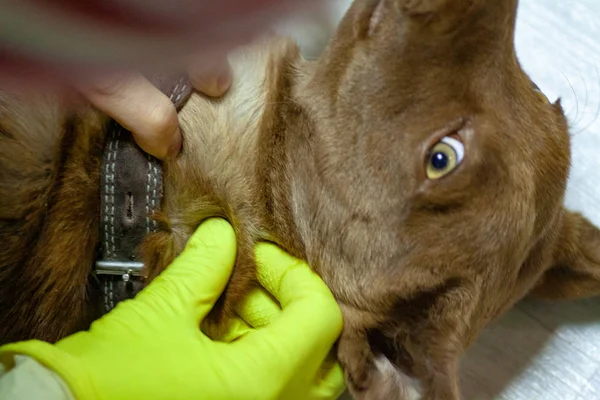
<point x="444" y="157"/>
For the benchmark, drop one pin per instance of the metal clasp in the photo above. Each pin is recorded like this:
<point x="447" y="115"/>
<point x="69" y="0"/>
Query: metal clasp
<point x="126" y="269"/>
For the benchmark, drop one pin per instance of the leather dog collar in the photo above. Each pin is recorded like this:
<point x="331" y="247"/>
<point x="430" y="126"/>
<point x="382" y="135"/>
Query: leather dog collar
<point x="131" y="191"/>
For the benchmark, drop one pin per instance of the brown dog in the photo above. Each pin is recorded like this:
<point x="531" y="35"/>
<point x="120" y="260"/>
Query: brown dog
<point x="415" y="166"/>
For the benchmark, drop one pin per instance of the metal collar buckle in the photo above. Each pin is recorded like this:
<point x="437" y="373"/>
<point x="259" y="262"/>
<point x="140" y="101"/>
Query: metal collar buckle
<point x="127" y="269"/>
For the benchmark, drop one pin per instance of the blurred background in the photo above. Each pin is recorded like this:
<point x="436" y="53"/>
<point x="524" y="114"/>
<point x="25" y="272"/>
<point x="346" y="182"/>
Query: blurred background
<point x="539" y="350"/>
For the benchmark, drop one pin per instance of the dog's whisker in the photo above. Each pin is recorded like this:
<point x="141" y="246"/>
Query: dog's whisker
<point x="597" y="112"/>
<point x="575" y="119"/>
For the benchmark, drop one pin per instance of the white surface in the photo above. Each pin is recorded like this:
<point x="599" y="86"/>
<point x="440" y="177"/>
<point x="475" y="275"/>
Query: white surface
<point x="551" y="351"/>
<point x="546" y="351"/>
<point x="558" y="43"/>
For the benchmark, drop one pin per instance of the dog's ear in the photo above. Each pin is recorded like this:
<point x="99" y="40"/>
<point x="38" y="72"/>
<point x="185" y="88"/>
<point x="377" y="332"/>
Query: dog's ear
<point x="575" y="272"/>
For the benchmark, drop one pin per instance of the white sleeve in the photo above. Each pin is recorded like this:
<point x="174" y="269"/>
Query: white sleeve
<point x="23" y="378"/>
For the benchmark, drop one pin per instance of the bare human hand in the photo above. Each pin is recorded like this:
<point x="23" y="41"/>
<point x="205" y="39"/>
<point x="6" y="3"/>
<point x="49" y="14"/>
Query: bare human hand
<point x="137" y="105"/>
<point x="57" y="44"/>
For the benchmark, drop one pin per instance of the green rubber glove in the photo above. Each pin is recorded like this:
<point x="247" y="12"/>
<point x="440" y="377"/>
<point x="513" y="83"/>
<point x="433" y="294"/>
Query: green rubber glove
<point x="151" y="347"/>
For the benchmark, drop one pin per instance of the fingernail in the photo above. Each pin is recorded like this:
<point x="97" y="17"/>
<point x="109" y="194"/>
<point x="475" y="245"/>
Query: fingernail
<point x="214" y="87"/>
<point x="213" y="82"/>
<point x="206" y="85"/>
<point x="176" y="145"/>
<point x="223" y="83"/>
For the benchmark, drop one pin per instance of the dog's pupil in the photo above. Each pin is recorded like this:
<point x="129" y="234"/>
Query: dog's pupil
<point x="439" y="160"/>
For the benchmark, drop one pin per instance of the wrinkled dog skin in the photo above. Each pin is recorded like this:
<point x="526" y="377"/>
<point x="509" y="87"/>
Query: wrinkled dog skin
<point x="414" y="165"/>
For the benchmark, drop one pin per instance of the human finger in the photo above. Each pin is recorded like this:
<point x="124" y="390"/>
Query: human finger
<point x="198" y="276"/>
<point x="330" y="381"/>
<point x="137" y="105"/>
<point x="212" y="79"/>
<point x="258" y="308"/>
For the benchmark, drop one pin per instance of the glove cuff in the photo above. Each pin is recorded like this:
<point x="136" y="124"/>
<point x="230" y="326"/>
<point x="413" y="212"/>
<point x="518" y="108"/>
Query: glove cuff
<point x="63" y="364"/>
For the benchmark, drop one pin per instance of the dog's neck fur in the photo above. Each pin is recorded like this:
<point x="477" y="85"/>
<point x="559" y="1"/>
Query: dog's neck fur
<point x="262" y="153"/>
<point x="264" y="146"/>
<point x="246" y="146"/>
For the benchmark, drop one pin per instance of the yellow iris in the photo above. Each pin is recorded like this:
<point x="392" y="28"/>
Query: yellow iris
<point x="444" y="157"/>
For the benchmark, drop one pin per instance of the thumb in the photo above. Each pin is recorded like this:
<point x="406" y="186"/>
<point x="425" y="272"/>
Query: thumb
<point x="200" y="273"/>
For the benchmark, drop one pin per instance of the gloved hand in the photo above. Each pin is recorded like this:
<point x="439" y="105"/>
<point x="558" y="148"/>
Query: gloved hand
<point x="262" y="306"/>
<point x="151" y="347"/>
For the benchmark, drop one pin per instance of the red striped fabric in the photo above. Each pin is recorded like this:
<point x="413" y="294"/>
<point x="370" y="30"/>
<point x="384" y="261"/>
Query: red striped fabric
<point x="163" y="15"/>
<point x="136" y="30"/>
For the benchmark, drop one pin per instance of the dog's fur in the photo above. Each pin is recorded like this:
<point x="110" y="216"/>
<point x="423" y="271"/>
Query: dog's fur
<point x="328" y="160"/>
